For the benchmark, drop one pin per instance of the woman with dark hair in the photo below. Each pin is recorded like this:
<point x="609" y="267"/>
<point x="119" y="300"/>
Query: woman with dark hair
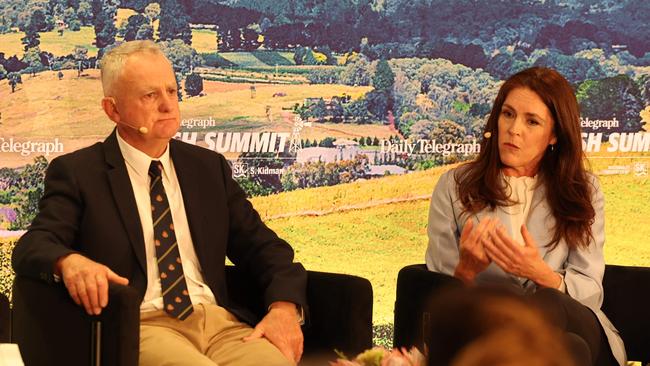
<point x="527" y="213"/>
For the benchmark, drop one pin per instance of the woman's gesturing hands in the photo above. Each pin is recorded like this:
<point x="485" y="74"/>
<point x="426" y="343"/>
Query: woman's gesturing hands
<point x="473" y="259"/>
<point x="489" y="242"/>
<point x="520" y="260"/>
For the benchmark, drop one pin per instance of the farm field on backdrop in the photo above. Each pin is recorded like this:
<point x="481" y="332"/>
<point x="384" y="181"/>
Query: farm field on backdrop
<point x="348" y="85"/>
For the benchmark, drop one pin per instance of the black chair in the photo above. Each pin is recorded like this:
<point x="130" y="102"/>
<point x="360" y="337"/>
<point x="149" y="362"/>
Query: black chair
<point x="51" y="329"/>
<point x="626" y="304"/>
<point x="5" y="319"/>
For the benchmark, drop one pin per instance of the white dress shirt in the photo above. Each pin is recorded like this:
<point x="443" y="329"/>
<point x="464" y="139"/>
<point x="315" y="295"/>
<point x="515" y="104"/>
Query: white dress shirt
<point x="137" y="165"/>
<point x="520" y="190"/>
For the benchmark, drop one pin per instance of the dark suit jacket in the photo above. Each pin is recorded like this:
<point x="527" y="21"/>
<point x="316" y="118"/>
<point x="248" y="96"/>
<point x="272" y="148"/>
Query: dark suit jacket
<point x="89" y="207"/>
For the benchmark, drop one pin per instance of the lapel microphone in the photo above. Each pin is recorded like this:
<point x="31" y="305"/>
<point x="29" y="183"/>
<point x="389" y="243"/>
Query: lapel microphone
<point x="143" y="130"/>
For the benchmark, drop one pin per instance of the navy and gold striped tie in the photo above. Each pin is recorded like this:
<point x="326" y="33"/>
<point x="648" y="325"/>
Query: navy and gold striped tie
<point x="172" y="279"/>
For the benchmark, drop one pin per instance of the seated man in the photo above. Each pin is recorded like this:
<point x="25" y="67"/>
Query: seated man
<point x="160" y="215"/>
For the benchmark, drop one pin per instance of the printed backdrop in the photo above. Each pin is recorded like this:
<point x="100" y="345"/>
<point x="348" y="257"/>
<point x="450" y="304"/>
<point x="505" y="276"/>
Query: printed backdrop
<point x="338" y="117"/>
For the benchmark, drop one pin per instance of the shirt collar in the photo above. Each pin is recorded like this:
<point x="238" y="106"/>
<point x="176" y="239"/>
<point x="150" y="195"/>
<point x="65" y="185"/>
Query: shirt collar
<point x="140" y="161"/>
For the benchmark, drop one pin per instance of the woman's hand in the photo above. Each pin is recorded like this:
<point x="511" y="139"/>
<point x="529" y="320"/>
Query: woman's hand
<point x="473" y="258"/>
<point x="523" y="261"/>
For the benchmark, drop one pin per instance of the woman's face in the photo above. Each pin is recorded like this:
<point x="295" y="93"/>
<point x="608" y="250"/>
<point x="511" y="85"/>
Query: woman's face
<point x="525" y="132"/>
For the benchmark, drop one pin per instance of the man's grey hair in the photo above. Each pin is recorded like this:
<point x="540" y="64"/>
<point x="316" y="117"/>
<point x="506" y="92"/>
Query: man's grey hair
<point x="113" y="61"/>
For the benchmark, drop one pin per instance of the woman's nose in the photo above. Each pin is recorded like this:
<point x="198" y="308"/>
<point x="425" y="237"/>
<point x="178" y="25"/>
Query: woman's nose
<point x="515" y="126"/>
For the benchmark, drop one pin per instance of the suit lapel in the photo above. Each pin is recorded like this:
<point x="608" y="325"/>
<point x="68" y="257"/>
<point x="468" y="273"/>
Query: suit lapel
<point x="118" y="178"/>
<point x="188" y="179"/>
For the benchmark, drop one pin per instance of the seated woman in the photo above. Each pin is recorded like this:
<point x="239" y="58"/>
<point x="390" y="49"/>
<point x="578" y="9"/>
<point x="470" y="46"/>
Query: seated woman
<point x="527" y="213"/>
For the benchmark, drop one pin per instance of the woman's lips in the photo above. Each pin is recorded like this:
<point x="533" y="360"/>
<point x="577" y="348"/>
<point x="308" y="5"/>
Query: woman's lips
<point x="512" y="146"/>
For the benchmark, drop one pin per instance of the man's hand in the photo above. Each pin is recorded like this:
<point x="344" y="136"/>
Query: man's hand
<point x="87" y="281"/>
<point x="473" y="258"/>
<point x="281" y="327"/>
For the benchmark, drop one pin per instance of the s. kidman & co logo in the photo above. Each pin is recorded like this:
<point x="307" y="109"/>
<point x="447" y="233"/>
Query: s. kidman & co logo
<point x="240" y="170"/>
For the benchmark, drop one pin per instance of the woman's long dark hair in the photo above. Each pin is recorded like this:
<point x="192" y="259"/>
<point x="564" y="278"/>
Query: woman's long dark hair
<point x="562" y="170"/>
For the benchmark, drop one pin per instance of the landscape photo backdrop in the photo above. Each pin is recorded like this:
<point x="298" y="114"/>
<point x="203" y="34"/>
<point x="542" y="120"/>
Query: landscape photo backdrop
<point x="337" y="117"/>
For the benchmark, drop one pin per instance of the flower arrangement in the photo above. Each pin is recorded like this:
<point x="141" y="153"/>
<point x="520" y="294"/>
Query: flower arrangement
<point x="379" y="356"/>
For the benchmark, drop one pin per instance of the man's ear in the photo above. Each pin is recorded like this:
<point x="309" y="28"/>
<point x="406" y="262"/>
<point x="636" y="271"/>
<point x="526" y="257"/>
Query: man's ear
<point x="110" y="108"/>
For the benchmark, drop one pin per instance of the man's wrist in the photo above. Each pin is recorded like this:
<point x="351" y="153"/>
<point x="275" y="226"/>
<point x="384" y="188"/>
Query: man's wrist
<point x="58" y="265"/>
<point x="289" y="306"/>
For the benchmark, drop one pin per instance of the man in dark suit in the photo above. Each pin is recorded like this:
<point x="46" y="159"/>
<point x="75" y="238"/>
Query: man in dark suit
<point x="161" y="215"/>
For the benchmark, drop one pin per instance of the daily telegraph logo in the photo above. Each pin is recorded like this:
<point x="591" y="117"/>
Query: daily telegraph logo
<point x="429" y="147"/>
<point x="198" y="122"/>
<point x="595" y="124"/>
<point x="26" y="148"/>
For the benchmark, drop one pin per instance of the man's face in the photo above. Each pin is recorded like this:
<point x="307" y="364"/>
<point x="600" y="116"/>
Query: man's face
<point x="146" y="97"/>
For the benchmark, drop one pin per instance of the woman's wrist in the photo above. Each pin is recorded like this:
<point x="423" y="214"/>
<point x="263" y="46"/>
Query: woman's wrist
<point x="548" y="278"/>
<point x="464" y="274"/>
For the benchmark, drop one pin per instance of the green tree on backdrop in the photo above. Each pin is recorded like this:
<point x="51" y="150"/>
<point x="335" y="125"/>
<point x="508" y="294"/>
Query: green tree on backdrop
<point x="617" y="96"/>
<point x="35" y="24"/>
<point x="129" y="30"/>
<point x="193" y="84"/>
<point x="25" y="190"/>
<point x="104" y="12"/>
<point x="33" y="59"/>
<point x="174" y="22"/>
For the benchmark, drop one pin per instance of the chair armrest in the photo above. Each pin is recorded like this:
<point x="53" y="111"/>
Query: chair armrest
<point x="340" y="313"/>
<point x="415" y="286"/>
<point x="51" y="329"/>
<point x="626" y="303"/>
<point x="5" y="319"/>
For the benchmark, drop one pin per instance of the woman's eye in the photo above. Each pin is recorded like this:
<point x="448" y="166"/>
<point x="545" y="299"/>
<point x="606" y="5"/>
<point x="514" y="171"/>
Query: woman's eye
<point x="533" y="122"/>
<point x="507" y="113"/>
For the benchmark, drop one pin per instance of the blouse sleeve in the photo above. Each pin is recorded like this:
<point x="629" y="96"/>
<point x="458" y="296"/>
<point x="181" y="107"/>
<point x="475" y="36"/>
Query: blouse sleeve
<point x="442" y="252"/>
<point x="585" y="267"/>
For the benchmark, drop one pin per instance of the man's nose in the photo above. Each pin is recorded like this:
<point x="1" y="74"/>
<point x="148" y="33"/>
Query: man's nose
<point x="166" y="102"/>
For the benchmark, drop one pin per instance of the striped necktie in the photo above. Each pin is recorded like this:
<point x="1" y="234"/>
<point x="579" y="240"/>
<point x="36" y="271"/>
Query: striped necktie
<point x="176" y="298"/>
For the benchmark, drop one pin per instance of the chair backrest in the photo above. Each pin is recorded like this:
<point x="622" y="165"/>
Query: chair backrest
<point x="5" y="319"/>
<point x="415" y="285"/>
<point x="627" y="305"/>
